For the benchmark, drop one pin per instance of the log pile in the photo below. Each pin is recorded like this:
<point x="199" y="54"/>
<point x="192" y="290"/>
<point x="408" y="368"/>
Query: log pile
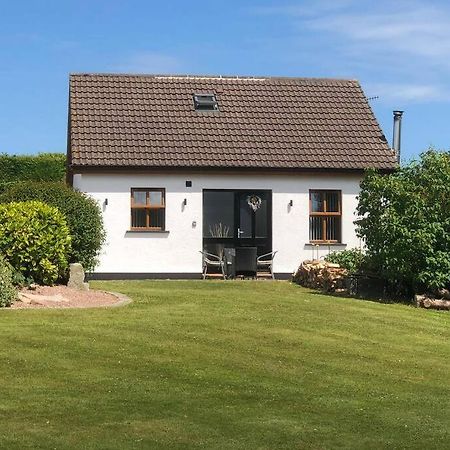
<point x="318" y="274"/>
<point x="429" y="302"/>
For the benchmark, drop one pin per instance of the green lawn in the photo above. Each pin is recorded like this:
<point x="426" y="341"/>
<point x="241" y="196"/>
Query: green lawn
<point x="226" y="365"/>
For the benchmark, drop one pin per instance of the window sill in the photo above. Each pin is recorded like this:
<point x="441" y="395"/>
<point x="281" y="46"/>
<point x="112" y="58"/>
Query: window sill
<point x="325" y="244"/>
<point x="148" y="231"/>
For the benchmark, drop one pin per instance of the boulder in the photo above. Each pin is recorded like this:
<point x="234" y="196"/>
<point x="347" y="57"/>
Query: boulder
<point x="76" y="277"/>
<point x="38" y="299"/>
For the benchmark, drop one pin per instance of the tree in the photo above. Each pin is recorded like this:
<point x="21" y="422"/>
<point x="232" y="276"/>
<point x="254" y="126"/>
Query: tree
<point x="405" y="221"/>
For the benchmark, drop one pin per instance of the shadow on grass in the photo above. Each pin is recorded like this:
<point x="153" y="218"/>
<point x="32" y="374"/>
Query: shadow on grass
<point x="383" y="300"/>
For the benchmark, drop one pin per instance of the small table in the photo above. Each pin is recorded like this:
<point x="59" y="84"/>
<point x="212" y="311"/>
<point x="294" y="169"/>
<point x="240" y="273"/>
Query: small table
<point x="229" y="256"/>
<point x="246" y="261"/>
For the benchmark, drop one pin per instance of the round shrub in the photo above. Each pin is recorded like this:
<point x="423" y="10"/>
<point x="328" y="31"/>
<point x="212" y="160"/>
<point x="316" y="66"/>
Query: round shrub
<point x="8" y="292"/>
<point x="82" y="214"/>
<point x="35" y="240"/>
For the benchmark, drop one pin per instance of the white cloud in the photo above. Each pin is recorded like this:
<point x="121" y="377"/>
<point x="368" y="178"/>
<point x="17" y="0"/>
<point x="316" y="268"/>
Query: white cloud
<point x="407" y="92"/>
<point x="419" y="31"/>
<point x="400" y="49"/>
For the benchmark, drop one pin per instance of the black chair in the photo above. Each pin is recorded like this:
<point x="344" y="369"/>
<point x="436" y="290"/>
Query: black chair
<point x="245" y="262"/>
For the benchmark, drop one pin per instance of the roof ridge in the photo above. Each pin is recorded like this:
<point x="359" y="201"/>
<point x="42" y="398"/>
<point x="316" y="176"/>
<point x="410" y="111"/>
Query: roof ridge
<point x="212" y="77"/>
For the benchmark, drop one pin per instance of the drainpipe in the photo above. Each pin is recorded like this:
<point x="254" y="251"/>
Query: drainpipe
<point x="397" y="134"/>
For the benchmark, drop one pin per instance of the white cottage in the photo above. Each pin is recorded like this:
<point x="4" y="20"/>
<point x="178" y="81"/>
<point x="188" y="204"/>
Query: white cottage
<point x="181" y="164"/>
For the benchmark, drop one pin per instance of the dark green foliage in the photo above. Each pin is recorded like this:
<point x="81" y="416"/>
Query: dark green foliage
<point x="405" y="222"/>
<point x="82" y="214"/>
<point x="20" y="280"/>
<point x="41" y="167"/>
<point x="35" y="240"/>
<point x="352" y="259"/>
<point x="8" y="292"/>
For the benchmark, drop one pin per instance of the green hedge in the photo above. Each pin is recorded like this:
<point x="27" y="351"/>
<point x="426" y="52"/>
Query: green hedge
<point x="41" y="167"/>
<point x="8" y="292"/>
<point x="35" y="240"/>
<point x="82" y="214"/>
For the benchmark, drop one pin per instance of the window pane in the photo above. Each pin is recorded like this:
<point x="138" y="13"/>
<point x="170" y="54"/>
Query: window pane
<point x="333" y="228"/>
<point x="139" y="197"/>
<point x="156" y="198"/>
<point x="261" y="220"/>
<point x="218" y="214"/>
<point x="157" y="218"/>
<point x="245" y="219"/>
<point x="138" y="218"/>
<point x="317" y="204"/>
<point x="315" y="228"/>
<point x="332" y="201"/>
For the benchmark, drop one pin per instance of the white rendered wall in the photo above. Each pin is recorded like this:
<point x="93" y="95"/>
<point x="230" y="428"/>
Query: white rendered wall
<point x="178" y="250"/>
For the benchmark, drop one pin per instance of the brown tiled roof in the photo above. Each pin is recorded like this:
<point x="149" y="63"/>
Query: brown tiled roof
<point x="270" y="123"/>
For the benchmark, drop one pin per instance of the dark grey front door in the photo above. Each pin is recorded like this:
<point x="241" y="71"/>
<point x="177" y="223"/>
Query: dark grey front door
<point x="254" y="220"/>
<point x="237" y="218"/>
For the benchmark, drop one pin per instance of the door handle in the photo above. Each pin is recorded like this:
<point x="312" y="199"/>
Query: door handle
<point x="240" y="232"/>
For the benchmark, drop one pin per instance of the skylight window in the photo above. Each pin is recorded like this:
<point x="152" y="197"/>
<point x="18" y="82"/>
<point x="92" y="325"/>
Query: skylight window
<point x="205" y="102"/>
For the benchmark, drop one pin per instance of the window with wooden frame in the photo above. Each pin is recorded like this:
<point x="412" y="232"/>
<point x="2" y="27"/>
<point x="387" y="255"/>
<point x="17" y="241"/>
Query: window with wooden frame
<point x="325" y="216"/>
<point x="148" y="209"/>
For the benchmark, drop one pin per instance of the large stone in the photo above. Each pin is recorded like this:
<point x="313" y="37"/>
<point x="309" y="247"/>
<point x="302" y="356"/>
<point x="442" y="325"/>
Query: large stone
<point x="38" y="299"/>
<point x="76" y="277"/>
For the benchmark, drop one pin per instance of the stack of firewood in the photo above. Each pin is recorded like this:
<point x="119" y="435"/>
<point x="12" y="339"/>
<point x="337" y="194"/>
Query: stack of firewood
<point x="318" y="274"/>
<point x="439" y="300"/>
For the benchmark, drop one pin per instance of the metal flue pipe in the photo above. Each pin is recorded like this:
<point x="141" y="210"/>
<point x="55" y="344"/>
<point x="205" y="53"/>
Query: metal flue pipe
<point x="397" y="133"/>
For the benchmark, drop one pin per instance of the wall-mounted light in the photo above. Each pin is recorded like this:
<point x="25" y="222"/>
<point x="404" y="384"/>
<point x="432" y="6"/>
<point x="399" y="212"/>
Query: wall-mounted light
<point x="105" y="202"/>
<point x="291" y="203"/>
<point x="185" y="202"/>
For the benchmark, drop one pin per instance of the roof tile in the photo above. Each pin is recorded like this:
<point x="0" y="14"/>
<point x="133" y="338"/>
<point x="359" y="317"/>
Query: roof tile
<point x="279" y="123"/>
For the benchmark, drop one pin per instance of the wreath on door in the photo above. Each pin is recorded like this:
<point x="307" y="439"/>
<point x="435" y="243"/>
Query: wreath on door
<point x="254" y="201"/>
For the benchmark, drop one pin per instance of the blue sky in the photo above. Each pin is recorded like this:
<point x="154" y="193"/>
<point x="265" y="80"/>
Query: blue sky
<point x="400" y="51"/>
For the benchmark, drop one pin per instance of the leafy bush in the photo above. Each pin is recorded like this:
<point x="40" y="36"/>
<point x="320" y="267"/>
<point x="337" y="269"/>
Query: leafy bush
<point x="35" y="239"/>
<point x="405" y="222"/>
<point x="8" y="292"/>
<point x="20" y="280"/>
<point x="41" y="167"/>
<point x="82" y="214"/>
<point x="352" y="259"/>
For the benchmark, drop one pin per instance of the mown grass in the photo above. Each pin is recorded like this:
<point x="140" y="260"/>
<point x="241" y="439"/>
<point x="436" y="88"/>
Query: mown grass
<point x="226" y="365"/>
